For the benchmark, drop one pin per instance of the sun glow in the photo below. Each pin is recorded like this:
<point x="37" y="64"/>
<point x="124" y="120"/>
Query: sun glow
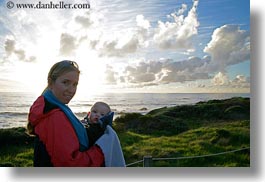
<point x="32" y="76"/>
<point x="92" y="75"/>
<point x="29" y="76"/>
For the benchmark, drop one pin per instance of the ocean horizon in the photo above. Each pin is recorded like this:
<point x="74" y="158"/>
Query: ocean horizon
<point x="14" y="106"/>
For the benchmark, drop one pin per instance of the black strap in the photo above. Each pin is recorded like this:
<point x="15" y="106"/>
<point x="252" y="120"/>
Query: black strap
<point x="41" y="156"/>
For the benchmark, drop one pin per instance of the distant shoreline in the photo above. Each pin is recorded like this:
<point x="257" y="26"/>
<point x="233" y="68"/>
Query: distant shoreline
<point x="14" y="113"/>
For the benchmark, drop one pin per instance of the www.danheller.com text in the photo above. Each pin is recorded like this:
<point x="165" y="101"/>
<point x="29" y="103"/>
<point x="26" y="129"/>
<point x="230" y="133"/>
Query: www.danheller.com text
<point x="50" y="5"/>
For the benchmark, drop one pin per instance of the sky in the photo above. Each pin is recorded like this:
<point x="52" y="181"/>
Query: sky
<point x="169" y="46"/>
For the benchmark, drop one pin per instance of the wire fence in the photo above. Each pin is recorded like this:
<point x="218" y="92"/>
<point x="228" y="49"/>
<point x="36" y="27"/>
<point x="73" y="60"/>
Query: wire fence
<point x="148" y="160"/>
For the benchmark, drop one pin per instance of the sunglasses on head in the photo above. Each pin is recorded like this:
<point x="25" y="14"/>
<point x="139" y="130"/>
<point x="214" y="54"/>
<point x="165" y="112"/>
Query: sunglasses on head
<point x="73" y="63"/>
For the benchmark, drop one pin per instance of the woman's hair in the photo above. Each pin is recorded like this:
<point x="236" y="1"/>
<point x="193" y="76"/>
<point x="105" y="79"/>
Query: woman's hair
<point x="56" y="70"/>
<point x="59" y="69"/>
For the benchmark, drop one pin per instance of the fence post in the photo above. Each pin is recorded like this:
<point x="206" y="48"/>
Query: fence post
<point x="147" y="161"/>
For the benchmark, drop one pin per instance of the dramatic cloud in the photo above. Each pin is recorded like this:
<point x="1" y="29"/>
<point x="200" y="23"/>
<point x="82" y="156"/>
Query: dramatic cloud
<point x="229" y="46"/>
<point x="169" y="35"/>
<point x="165" y="71"/>
<point x="136" y="45"/>
<point x="178" y="34"/>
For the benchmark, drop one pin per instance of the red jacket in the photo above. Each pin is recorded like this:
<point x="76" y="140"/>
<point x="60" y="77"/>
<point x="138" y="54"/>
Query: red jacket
<point x="56" y="132"/>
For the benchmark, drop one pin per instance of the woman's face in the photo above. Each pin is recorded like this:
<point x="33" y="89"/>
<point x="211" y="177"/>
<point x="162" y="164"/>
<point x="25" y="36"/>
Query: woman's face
<point x="64" y="87"/>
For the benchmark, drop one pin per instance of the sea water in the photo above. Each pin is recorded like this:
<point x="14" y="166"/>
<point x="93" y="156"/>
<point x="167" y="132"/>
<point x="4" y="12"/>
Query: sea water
<point x="14" y="106"/>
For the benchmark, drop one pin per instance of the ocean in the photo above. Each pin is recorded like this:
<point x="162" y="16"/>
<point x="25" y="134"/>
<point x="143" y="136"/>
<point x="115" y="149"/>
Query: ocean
<point x="14" y="106"/>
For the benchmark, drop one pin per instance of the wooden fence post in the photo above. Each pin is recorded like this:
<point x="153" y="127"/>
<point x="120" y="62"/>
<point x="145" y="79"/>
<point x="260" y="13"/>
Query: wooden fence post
<point x="147" y="161"/>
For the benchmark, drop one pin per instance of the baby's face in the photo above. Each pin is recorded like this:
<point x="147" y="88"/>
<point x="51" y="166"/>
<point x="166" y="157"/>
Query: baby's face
<point x="98" y="111"/>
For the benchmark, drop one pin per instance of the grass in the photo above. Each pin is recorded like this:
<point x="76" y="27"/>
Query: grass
<point x="181" y="131"/>
<point x="200" y="141"/>
<point x="189" y="130"/>
<point x="16" y="148"/>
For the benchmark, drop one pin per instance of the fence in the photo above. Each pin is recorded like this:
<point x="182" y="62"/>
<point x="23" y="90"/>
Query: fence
<point x="148" y="160"/>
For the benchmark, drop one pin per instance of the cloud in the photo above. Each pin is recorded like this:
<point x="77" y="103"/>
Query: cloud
<point x="13" y="52"/>
<point x="167" y="71"/>
<point x="220" y="79"/>
<point x="118" y="47"/>
<point x="117" y="44"/>
<point x="142" y="22"/>
<point x="143" y="30"/>
<point x="9" y="46"/>
<point x="139" y="30"/>
<point x="30" y="33"/>
<point x="182" y="9"/>
<point x="229" y="46"/>
<point x="123" y="43"/>
<point x="240" y="81"/>
<point x="110" y="75"/>
<point x="84" y="20"/>
<point x="178" y="34"/>
<point x="186" y="70"/>
<point x="67" y="44"/>
<point x="169" y="35"/>
<point x="164" y="71"/>
<point x="143" y="72"/>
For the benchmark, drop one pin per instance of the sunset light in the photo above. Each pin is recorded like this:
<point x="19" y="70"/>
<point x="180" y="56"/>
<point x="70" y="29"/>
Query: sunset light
<point x="169" y="46"/>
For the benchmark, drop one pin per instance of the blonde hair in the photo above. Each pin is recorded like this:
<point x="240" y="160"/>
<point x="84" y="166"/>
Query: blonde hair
<point x="56" y="70"/>
<point x="60" y="68"/>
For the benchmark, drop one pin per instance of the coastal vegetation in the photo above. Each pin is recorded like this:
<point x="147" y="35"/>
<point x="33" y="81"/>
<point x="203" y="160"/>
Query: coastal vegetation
<point x="214" y="133"/>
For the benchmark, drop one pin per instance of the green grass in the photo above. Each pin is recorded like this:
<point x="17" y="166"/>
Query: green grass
<point x="200" y="141"/>
<point x="16" y="148"/>
<point x="191" y="130"/>
<point x="17" y="157"/>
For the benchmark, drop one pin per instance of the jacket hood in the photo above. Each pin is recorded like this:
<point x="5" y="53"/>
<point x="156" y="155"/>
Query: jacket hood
<point x="39" y="109"/>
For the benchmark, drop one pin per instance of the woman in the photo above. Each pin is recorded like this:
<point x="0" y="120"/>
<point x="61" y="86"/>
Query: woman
<point x="61" y="139"/>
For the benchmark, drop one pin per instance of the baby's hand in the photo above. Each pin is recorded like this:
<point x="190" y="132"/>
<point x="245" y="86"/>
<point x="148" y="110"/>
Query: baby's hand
<point x="84" y="122"/>
<point x="106" y="120"/>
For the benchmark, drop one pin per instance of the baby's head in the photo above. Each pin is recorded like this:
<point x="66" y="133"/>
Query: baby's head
<point x="98" y="110"/>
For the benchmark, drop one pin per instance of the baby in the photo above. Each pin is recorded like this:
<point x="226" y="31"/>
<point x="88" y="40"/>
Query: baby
<point x="96" y="121"/>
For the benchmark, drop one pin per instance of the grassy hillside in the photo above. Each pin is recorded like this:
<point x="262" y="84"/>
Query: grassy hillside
<point x="189" y="130"/>
<point x="182" y="131"/>
<point x="16" y="148"/>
